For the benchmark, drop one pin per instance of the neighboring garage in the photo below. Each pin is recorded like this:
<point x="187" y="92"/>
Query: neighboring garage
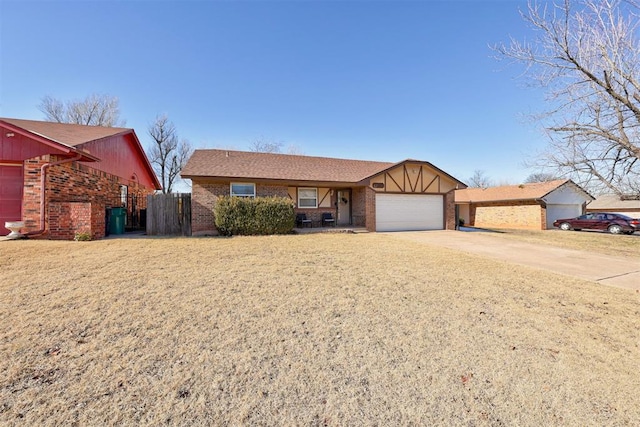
<point x="532" y="206"/>
<point x="409" y="212"/>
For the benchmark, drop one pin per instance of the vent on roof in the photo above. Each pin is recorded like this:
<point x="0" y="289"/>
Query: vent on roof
<point x="630" y="197"/>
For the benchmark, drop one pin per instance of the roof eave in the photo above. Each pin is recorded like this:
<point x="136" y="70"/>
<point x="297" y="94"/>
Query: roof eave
<point x="296" y="181"/>
<point x="50" y="142"/>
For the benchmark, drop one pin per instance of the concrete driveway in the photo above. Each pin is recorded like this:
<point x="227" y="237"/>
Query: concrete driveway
<point x="604" y="269"/>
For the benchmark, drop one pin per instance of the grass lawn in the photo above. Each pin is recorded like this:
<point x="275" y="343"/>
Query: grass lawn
<point x="594" y="241"/>
<point x="329" y="329"/>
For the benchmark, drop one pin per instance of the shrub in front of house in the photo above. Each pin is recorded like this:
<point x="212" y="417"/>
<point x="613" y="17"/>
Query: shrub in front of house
<point x="254" y="216"/>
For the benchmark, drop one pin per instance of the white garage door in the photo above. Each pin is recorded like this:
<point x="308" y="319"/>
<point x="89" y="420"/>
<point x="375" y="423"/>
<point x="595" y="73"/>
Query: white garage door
<point x="561" y="211"/>
<point x="409" y="212"/>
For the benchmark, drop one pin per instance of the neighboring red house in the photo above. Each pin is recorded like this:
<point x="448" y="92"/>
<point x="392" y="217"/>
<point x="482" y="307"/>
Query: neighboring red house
<point x="60" y="178"/>
<point x="381" y="196"/>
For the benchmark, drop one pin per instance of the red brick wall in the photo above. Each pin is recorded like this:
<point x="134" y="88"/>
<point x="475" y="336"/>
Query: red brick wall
<point x="68" y="218"/>
<point x="450" y="210"/>
<point x="370" y="209"/>
<point x="72" y="182"/>
<point x="272" y="190"/>
<point x="358" y="206"/>
<point x="203" y="197"/>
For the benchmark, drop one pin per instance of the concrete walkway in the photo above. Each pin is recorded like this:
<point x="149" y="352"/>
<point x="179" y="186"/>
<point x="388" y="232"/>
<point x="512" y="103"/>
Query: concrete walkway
<point x="605" y="269"/>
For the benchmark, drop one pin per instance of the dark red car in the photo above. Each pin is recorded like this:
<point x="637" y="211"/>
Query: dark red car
<point x="613" y="223"/>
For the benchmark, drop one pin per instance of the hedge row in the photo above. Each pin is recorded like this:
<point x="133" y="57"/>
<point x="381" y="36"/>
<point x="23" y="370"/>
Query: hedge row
<point x="254" y="216"/>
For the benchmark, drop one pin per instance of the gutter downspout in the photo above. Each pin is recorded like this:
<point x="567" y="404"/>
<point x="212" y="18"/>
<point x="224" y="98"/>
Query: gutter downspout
<point x="43" y="180"/>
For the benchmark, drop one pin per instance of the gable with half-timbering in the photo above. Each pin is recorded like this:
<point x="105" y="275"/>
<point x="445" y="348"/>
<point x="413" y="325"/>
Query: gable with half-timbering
<point x="412" y="178"/>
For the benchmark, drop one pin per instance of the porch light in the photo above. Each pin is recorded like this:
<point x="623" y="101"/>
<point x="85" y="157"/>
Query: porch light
<point x="9" y="134"/>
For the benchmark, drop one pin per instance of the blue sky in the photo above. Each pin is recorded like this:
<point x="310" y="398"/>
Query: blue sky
<point x="370" y="80"/>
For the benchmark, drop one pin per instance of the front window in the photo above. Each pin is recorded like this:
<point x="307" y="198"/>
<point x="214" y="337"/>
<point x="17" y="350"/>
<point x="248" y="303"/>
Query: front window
<point x="243" y="189"/>
<point x="307" y="197"/>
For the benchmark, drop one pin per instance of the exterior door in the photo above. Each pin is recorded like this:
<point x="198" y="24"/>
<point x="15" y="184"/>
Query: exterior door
<point x="344" y="207"/>
<point x="11" y="183"/>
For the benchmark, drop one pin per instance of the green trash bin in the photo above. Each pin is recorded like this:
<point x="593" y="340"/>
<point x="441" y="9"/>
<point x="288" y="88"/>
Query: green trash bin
<point x="116" y="223"/>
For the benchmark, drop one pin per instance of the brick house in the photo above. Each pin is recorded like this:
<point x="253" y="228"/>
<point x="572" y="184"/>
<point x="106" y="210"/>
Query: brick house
<point x="381" y="196"/>
<point x="526" y="206"/>
<point x="60" y="178"/>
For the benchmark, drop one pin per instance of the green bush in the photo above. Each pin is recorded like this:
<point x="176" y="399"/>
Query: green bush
<point x="254" y="216"/>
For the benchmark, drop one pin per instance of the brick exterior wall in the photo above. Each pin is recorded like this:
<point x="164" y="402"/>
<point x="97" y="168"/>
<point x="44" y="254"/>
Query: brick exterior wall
<point x="204" y="194"/>
<point x="450" y="211"/>
<point x="363" y="205"/>
<point x="76" y="197"/>
<point x="358" y="207"/>
<point x="370" y="208"/>
<point x="203" y="197"/>
<point x="527" y="215"/>
<point x="68" y="218"/>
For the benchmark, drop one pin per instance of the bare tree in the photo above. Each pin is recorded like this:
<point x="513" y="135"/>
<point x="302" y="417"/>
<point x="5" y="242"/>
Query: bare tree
<point x="167" y="154"/>
<point x="266" y="146"/>
<point x="294" y="149"/>
<point x="541" y="177"/>
<point x="94" y="110"/>
<point x="587" y="57"/>
<point x="479" y="180"/>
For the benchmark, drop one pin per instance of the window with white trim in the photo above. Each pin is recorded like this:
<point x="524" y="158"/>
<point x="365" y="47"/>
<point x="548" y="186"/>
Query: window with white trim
<point x="307" y="197"/>
<point x="243" y="189"/>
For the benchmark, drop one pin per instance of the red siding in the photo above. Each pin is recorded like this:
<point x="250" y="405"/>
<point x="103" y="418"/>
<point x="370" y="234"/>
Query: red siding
<point x="10" y="195"/>
<point x="119" y="155"/>
<point x="19" y="147"/>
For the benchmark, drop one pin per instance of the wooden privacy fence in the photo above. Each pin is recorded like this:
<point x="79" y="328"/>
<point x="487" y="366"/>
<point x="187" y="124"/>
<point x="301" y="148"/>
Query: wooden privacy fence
<point x="169" y="214"/>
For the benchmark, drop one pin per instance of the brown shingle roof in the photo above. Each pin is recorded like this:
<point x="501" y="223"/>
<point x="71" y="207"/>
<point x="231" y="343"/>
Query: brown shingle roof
<point x="250" y="165"/>
<point x="508" y="192"/>
<point x="612" y="201"/>
<point x="67" y="134"/>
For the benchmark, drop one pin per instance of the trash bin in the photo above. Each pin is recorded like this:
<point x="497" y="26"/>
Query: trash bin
<point x="116" y="225"/>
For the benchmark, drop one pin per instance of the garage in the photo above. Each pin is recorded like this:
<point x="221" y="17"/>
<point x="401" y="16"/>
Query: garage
<point x="532" y="206"/>
<point x="409" y="212"/>
<point x="10" y="195"/>
<point x="557" y="211"/>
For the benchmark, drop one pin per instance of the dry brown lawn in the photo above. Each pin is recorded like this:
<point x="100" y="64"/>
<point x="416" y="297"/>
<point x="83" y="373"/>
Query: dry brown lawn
<point x="594" y="241"/>
<point x="339" y="329"/>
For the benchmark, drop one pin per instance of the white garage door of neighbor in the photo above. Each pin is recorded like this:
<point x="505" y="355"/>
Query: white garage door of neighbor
<point x="561" y="211"/>
<point x="408" y="212"/>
